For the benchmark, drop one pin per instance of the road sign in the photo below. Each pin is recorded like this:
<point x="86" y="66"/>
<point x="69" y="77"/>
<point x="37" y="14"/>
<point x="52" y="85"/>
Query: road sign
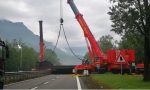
<point x="120" y="59"/>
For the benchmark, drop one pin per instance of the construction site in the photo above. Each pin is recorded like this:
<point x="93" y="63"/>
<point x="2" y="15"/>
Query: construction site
<point x="126" y="65"/>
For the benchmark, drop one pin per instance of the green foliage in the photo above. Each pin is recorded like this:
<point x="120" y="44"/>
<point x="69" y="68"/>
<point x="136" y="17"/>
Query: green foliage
<point x="87" y="56"/>
<point x="29" y="57"/>
<point x="106" y="43"/>
<point x="12" y="63"/>
<point x="132" y="17"/>
<point x="125" y="15"/>
<point x="135" y="42"/>
<point x="51" y="56"/>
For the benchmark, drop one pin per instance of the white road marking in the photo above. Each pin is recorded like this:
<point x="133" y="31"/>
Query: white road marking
<point x="46" y="83"/>
<point x="34" y="88"/>
<point x="78" y="83"/>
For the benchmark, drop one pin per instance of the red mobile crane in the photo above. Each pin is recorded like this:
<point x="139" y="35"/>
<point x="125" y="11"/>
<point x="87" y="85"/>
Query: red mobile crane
<point x="42" y="64"/>
<point x="114" y="59"/>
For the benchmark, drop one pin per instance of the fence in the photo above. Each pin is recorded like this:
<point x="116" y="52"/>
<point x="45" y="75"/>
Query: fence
<point x="10" y="77"/>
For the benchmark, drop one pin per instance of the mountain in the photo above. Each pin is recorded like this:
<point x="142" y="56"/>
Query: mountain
<point x="18" y="31"/>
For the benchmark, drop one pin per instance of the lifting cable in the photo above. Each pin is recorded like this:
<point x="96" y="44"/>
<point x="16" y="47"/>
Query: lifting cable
<point x="69" y="45"/>
<point x="57" y="39"/>
<point x="62" y="28"/>
<point x="61" y="21"/>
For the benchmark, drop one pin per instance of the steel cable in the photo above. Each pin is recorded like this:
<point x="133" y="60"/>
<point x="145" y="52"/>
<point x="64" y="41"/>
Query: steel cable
<point x="57" y="39"/>
<point x="69" y="44"/>
<point x="62" y="28"/>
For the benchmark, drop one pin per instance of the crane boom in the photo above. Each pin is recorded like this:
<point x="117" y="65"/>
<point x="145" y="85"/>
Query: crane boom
<point x="96" y="51"/>
<point x="113" y="60"/>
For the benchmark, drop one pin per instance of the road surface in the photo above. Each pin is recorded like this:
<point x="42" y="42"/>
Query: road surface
<point x="49" y="82"/>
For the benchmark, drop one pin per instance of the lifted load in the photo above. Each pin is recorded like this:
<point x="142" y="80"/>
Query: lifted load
<point x="62" y="69"/>
<point x="45" y="65"/>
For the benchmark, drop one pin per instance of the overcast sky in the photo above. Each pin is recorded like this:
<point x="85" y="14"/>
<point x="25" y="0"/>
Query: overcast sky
<point x="31" y="11"/>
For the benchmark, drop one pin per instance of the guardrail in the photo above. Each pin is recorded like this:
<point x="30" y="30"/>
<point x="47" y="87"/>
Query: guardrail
<point x="11" y="77"/>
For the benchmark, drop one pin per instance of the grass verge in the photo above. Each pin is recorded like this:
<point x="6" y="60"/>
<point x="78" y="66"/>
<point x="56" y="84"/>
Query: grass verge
<point x="117" y="81"/>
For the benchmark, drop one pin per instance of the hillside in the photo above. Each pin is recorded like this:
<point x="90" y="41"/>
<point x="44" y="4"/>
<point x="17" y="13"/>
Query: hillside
<point x="18" y="31"/>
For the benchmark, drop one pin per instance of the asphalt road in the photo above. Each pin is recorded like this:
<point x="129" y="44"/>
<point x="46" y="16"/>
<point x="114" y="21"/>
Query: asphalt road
<point x="49" y="82"/>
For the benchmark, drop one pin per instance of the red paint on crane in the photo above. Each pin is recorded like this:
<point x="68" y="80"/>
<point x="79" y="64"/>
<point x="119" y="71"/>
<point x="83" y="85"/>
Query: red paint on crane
<point x="41" y="42"/>
<point x="112" y="60"/>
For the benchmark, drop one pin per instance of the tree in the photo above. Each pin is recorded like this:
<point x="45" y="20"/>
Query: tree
<point x="12" y="63"/>
<point x="87" y="56"/>
<point x="135" y="42"/>
<point x="133" y="16"/>
<point x="106" y="43"/>
<point x="29" y="57"/>
<point x="51" y="56"/>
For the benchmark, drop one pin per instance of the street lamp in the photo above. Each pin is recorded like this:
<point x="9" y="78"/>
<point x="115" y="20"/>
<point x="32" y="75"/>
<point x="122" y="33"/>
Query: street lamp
<point x="19" y="46"/>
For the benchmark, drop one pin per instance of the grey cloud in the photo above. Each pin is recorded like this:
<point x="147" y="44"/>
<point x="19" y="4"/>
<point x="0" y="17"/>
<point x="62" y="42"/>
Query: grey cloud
<point x="94" y="12"/>
<point x="7" y="11"/>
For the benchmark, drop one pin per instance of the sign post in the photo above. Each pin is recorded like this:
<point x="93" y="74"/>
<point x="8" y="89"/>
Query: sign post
<point x="121" y="68"/>
<point x="121" y="60"/>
